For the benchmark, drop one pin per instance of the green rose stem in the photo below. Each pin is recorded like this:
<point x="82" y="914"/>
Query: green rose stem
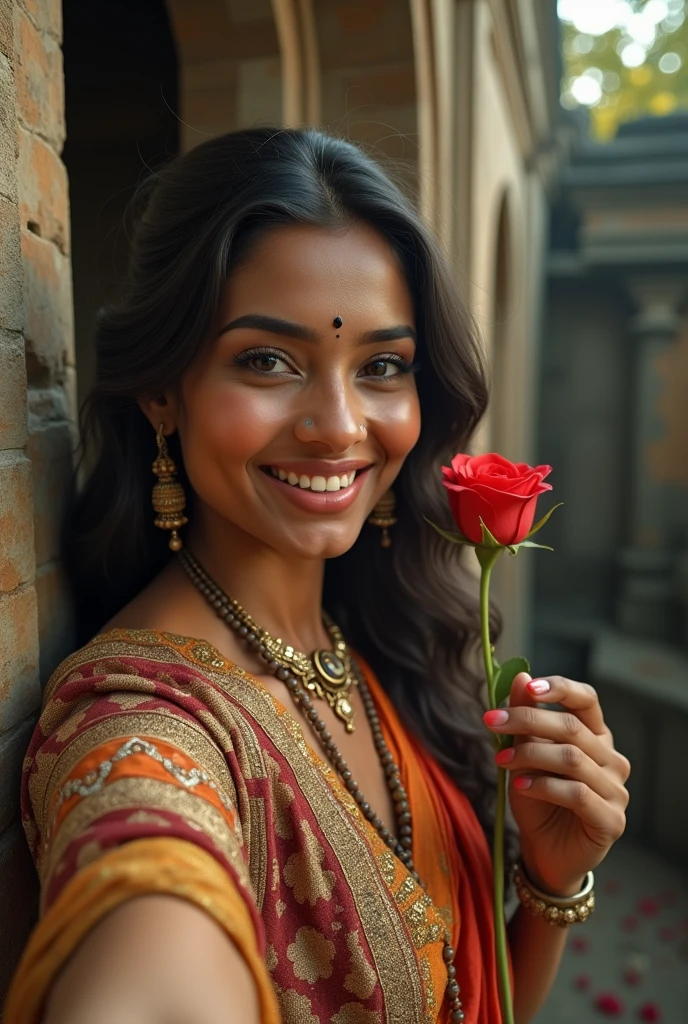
<point x="487" y="558"/>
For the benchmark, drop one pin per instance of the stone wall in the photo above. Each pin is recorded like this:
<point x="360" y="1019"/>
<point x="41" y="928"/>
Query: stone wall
<point x="36" y="413"/>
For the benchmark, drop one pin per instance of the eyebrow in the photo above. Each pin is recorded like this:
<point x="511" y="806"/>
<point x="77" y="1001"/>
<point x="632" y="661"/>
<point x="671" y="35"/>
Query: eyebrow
<point x="288" y="329"/>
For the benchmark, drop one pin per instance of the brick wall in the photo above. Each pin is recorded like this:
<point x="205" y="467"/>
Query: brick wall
<point x="37" y="384"/>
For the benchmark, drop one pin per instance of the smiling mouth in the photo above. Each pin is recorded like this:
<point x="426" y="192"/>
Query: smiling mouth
<point x="318" y="484"/>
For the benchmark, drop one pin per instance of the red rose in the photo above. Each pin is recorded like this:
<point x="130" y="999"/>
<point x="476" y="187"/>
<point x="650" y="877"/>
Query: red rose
<point x="501" y="493"/>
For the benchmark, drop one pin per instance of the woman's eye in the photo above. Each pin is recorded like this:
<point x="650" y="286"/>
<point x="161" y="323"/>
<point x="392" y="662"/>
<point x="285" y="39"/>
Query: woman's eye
<point x="381" y="368"/>
<point x="264" y="362"/>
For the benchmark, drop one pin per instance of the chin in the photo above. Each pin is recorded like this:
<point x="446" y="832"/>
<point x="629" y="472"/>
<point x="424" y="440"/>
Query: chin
<point x="318" y="541"/>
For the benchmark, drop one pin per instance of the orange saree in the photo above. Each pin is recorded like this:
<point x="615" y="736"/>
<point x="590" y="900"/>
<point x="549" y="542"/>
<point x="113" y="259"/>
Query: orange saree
<point x="158" y="766"/>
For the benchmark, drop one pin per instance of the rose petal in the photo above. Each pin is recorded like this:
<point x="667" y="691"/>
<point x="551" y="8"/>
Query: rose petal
<point x="582" y="982"/>
<point x="648" y="906"/>
<point x="629" y="923"/>
<point x="650" y="1012"/>
<point x="632" y="976"/>
<point x="580" y="944"/>
<point x="610" y="1004"/>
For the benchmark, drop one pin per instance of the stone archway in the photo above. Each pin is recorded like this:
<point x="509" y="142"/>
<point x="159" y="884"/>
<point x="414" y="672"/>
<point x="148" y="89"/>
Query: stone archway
<point x="230" y="69"/>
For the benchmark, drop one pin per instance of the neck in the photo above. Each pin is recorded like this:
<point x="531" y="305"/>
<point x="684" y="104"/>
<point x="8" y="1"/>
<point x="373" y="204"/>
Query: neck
<point x="282" y="594"/>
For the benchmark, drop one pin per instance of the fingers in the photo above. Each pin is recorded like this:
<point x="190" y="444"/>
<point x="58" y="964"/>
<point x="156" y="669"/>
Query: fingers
<point x="565" y="760"/>
<point x="559" y="727"/>
<point x="608" y="821"/>
<point x="581" y="698"/>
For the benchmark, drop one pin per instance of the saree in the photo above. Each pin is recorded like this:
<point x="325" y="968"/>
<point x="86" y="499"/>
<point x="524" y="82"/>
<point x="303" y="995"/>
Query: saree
<point x="159" y="766"/>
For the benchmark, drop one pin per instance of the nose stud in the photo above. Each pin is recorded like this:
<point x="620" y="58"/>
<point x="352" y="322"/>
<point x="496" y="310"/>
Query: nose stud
<point x="308" y="423"/>
<point x="337" y="322"/>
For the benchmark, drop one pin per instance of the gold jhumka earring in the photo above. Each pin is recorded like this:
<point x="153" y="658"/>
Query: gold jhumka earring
<point x="383" y="517"/>
<point x="169" y="500"/>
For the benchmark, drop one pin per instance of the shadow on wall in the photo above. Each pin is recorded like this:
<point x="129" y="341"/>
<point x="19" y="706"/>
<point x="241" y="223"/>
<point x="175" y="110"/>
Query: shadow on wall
<point x="121" y="101"/>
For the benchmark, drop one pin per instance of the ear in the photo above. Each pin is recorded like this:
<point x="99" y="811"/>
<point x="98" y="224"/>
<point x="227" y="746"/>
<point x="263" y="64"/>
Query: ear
<point x="160" y="410"/>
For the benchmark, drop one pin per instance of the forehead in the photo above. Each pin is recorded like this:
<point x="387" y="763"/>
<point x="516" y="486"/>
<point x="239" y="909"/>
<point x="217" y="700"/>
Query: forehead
<point x="310" y="273"/>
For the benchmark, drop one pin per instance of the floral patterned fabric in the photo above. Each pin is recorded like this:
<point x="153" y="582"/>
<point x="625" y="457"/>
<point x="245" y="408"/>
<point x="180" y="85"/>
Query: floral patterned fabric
<point x="146" y="737"/>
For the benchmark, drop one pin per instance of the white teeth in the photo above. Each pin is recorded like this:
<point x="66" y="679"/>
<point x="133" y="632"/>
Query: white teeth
<point x="315" y="483"/>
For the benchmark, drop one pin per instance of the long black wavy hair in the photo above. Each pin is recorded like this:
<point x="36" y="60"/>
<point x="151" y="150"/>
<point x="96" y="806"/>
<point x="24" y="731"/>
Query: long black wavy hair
<point x="410" y="610"/>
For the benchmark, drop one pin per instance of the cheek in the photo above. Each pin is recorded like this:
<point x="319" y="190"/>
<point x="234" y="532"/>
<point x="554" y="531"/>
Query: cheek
<point x="398" y="429"/>
<point x="229" y="426"/>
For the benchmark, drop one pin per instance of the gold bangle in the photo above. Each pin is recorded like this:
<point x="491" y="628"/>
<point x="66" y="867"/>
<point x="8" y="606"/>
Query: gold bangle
<point x="562" y="911"/>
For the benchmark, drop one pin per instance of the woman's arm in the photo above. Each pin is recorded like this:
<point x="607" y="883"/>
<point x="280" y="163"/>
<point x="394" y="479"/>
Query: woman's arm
<point x="536" y="951"/>
<point x="155" y="960"/>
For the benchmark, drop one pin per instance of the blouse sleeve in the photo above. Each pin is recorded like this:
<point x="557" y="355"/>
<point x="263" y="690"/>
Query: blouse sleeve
<point x="124" y="794"/>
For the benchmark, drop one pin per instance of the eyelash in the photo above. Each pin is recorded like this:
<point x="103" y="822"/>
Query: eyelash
<point x="245" y="359"/>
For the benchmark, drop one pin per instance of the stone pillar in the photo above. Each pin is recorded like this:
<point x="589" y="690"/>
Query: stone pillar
<point x="36" y="415"/>
<point x="646" y="605"/>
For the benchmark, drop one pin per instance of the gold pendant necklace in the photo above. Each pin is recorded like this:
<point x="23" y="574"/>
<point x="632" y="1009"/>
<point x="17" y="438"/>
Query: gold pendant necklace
<point x="326" y="673"/>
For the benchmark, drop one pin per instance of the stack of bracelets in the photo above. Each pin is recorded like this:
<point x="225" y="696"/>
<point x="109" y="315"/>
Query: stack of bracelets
<point x="562" y="911"/>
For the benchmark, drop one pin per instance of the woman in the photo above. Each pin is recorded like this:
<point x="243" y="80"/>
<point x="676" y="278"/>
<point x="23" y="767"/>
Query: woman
<point x="227" y="826"/>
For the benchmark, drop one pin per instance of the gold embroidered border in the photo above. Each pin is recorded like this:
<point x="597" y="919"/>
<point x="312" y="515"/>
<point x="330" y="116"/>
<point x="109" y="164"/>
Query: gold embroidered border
<point x="151" y="795"/>
<point x="258" y="849"/>
<point x="95" y="780"/>
<point x="190" y="738"/>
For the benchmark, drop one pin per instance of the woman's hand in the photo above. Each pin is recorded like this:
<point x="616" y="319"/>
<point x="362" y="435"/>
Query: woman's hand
<point x="568" y="792"/>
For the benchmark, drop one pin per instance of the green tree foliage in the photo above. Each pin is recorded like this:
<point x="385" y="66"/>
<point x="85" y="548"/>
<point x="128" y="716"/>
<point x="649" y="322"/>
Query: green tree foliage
<point x="624" y="59"/>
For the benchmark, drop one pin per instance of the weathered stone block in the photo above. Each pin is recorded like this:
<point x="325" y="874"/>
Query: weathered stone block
<point x="50" y="450"/>
<point x="56" y="624"/>
<point x="43" y="191"/>
<point x="12" y="391"/>
<point x="40" y="82"/>
<point x="16" y="521"/>
<point x="13" y="746"/>
<point x="8" y="142"/>
<point x="11" y="306"/>
<point x="7" y="27"/>
<point x="46" y="15"/>
<point x="18" y="899"/>
<point x="49" y="329"/>
<point x="20" y="691"/>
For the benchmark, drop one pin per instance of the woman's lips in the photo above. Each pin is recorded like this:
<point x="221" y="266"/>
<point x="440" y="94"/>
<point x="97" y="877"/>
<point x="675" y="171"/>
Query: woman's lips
<point x="319" y="501"/>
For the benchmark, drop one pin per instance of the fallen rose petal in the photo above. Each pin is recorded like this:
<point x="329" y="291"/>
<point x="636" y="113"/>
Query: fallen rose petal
<point x="580" y="944"/>
<point x="582" y="982"/>
<point x="666" y="933"/>
<point x="632" y="976"/>
<point x="650" y="1012"/>
<point x="648" y="906"/>
<point x="629" y="923"/>
<point x="612" y="885"/>
<point x="610" y="1004"/>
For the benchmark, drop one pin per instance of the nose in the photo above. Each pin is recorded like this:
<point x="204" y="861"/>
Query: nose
<point x="332" y="418"/>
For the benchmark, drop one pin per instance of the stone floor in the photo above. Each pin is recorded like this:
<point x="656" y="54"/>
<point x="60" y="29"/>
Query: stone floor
<point x="630" y="961"/>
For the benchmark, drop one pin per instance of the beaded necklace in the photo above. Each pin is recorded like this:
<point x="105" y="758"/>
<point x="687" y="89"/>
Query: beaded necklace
<point x="234" y="616"/>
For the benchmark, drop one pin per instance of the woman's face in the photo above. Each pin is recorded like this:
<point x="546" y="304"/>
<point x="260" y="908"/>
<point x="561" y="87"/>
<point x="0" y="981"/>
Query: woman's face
<point x="293" y="426"/>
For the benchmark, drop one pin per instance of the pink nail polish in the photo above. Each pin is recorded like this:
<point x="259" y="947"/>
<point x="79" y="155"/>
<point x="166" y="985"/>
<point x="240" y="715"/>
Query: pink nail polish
<point x="504" y="756"/>
<point x="498" y="717"/>
<point x="539" y="686"/>
<point x="523" y="782"/>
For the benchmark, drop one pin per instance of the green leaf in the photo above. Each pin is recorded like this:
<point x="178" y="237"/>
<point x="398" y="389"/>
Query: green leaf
<point x="507" y="673"/>
<point x="541" y="522"/>
<point x="532" y="544"/>
<point x="453" y="538"/>
<point x="488" y="540"/>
